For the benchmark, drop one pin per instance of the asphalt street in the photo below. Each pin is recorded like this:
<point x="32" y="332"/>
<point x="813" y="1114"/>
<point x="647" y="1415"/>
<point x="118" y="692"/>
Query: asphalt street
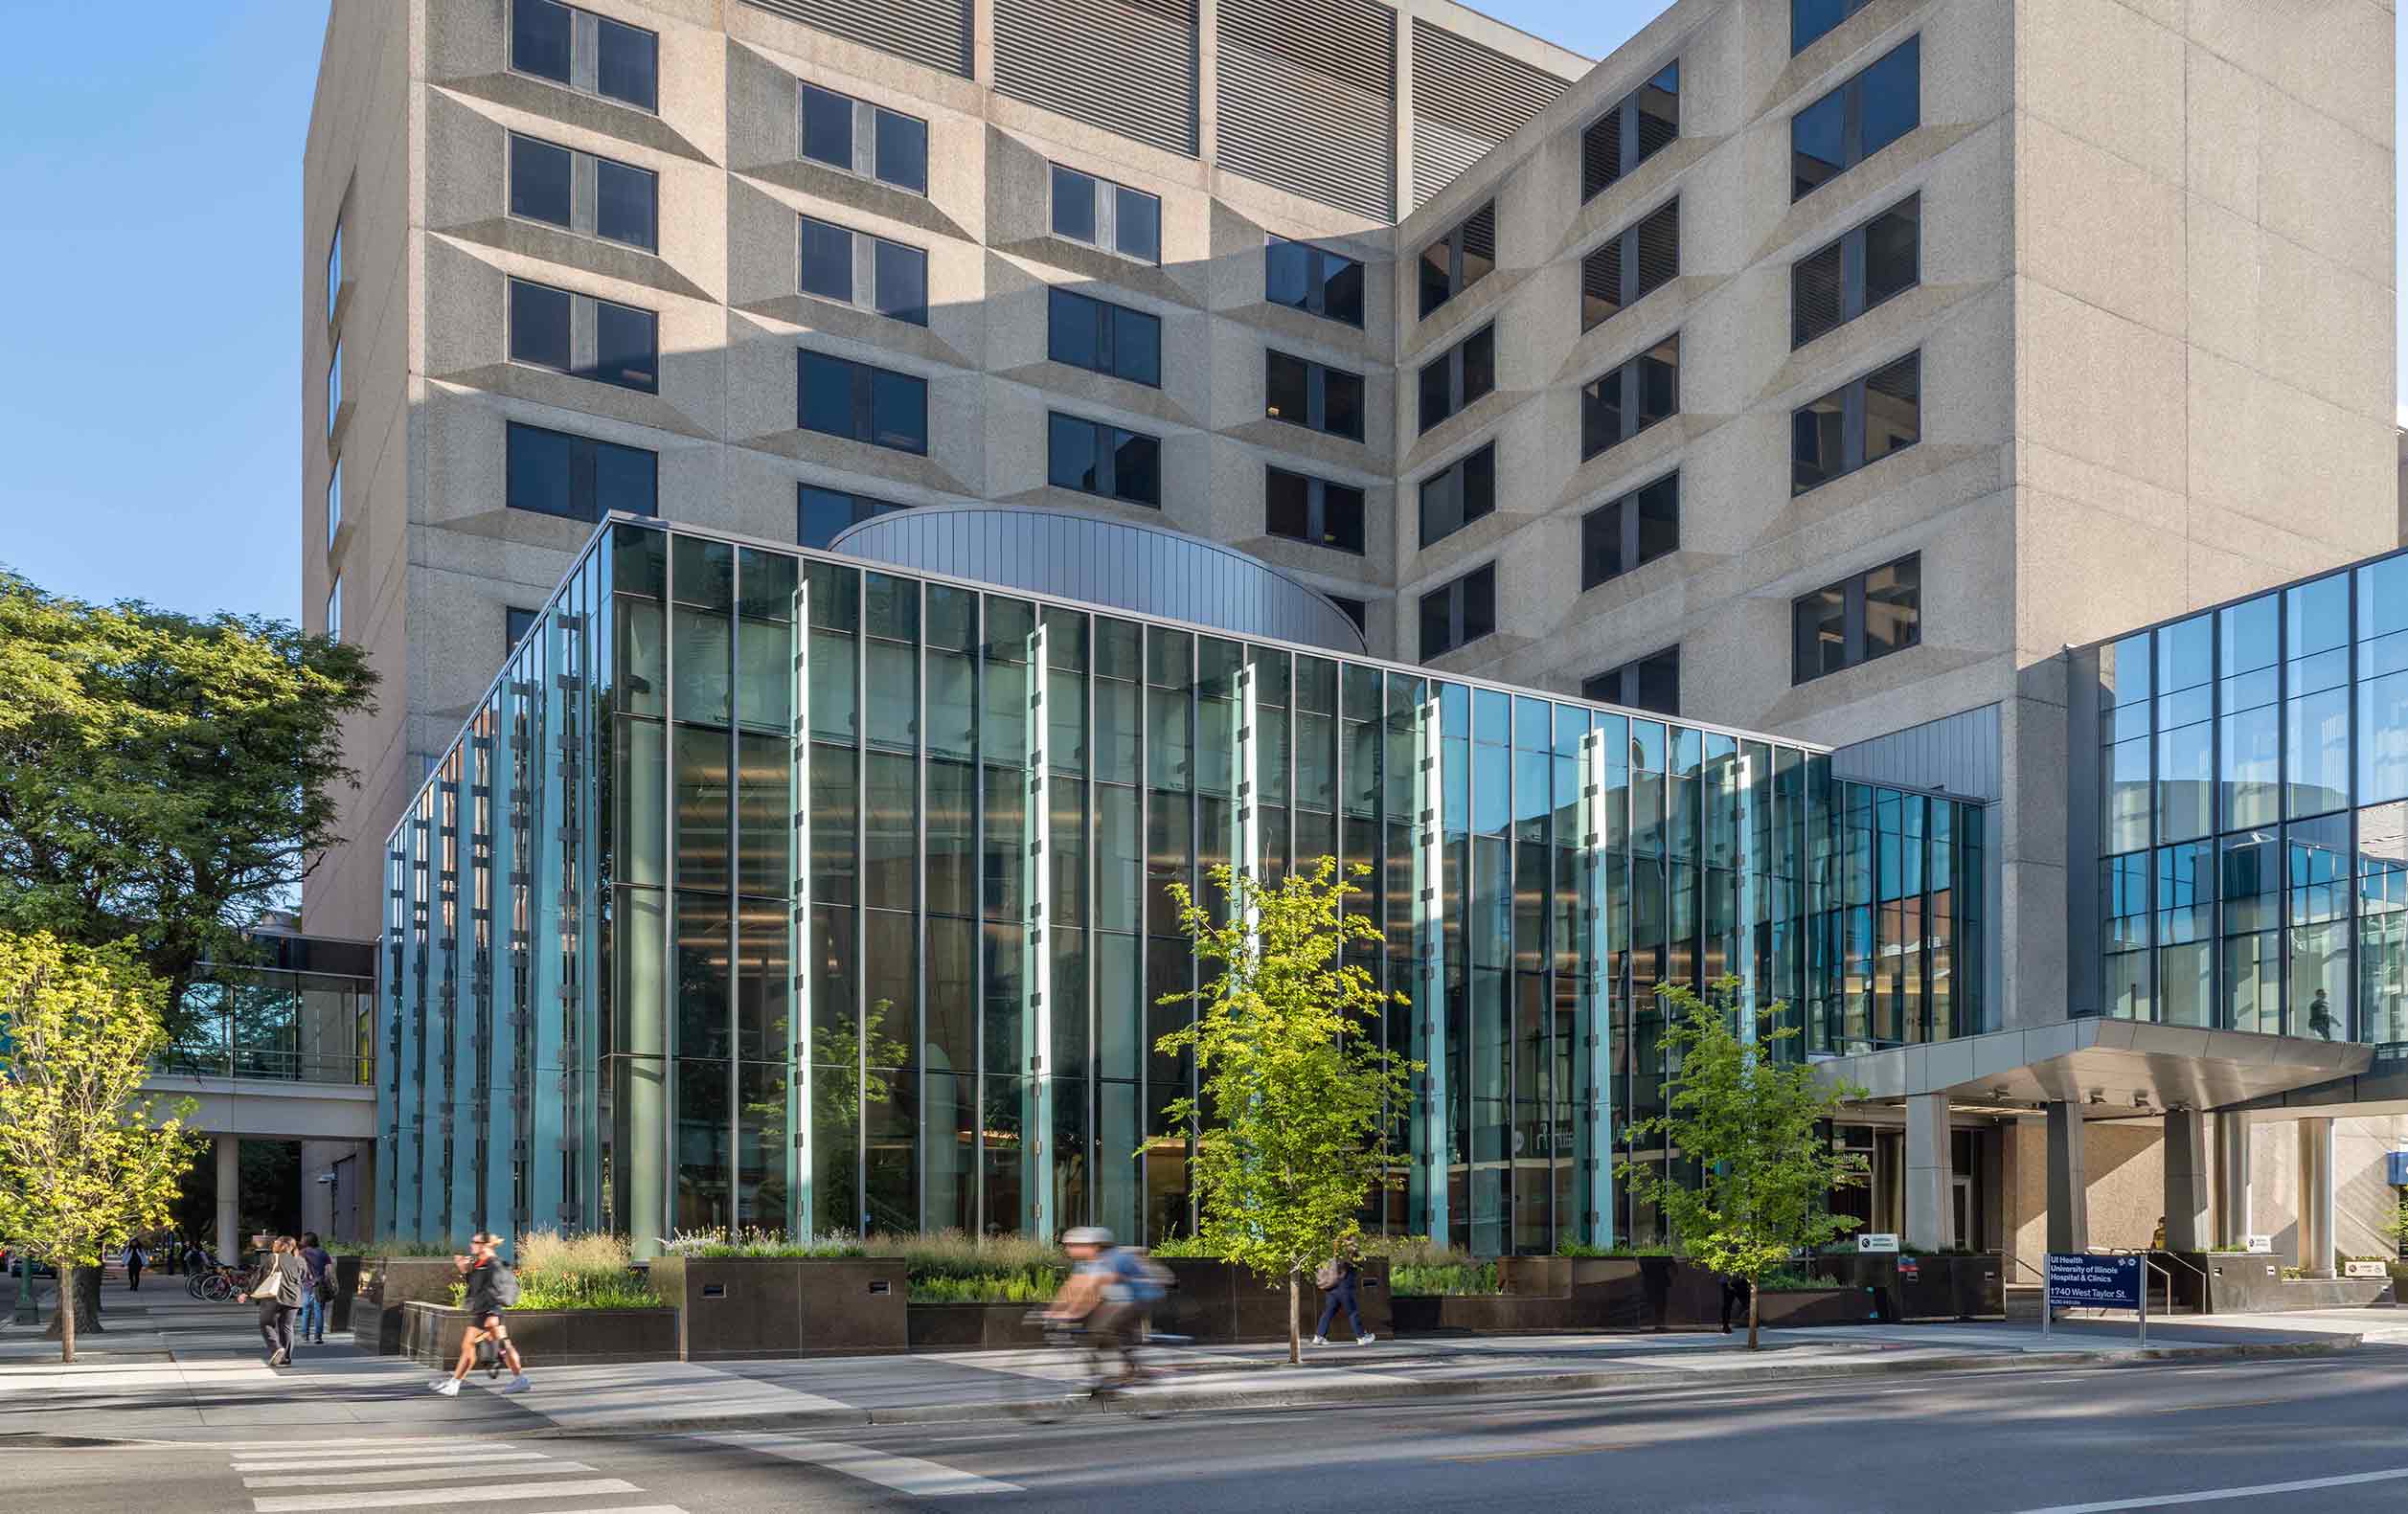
<point x="2321" y="1434"/>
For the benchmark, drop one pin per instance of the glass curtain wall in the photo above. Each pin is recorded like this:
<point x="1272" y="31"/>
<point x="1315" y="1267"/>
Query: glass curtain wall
<point x="2253" y="799"/>
<point x="826" y="898"/>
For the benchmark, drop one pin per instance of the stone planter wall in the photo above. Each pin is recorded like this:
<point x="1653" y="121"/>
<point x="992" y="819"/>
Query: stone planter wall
<point x="737" y="1307"/>
<point x="387" y="1284"/>
<point x="2240" y="1283"/>
<point x="1218" y="1303"/>
<point x="972" y="1327"/>
<point x="1942" y="1287"/>
<point x="431" y="1334"/>
<point x="1779" y="1308"/>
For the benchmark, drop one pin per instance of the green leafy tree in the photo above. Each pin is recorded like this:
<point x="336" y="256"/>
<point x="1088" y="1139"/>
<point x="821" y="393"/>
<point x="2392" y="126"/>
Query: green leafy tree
<point x="1749" y="1123"/>
<point x="1296" y="1087"/>
<point x="163" y="777"/>
<point x="841" y="1079"/>
<point x="84" y="1164"/>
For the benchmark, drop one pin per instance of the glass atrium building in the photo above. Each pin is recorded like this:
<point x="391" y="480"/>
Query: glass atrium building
<point x="776" y="887"/>
<point x="2251" y="829"/>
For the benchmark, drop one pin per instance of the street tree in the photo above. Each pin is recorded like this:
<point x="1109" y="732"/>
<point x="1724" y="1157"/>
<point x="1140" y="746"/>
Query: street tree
<point x="85" y="1163"/>
<point x="1296" y="1090"/>
<point x="1748" y="1123"/>
<point x="163" y="777"/>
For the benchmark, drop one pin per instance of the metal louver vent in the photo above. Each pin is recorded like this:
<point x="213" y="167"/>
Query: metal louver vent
<point x="1128" y="66"/>
<point x="1659" y="239"/>
<point x="1467" y="99"/>
<point x="1307" y="99"/>
<point x="936" y="33"/>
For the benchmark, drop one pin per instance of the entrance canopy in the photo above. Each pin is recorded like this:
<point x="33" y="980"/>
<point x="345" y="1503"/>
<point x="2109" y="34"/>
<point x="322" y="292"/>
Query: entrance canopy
<point x="2108" y="1069"/>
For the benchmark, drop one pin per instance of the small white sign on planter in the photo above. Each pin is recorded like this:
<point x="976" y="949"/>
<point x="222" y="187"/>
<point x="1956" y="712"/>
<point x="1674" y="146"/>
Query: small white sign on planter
<point x="2257" y="1245"/>
<point x="2365" y="1269"/>
<point x="1877" y="1241"/>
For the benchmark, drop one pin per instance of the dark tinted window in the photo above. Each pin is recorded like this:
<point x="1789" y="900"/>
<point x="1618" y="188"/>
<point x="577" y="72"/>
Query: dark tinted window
<point x="1353" y="609"/>
<point x="540" y="180"/>
<point x="540" y="324"/>
<point x="827" y="260"/>
<point x="624" y="204"/>
<point x="515" y="624"/>
<point x="1893" y="251"/>
<point x="1859" y="422"/>
<point x="1460" y="612"/>
<point x="1104" y="338"/>
<point x="903" y="282"/>
<point x="1631" y="264"/>
<point x="1074" y="204"/>
<point x="1856" y="620"/>
<point x="1809" y="19"/>
<point x="1620" y="402"/>
<point x="1858" y="120"/>
<point x="827" y="127"/>
<point x="1458" y="494"/>
<point x="628" y="65"/>
<point x="553" y="473"/>
<point x="1641" y="124"/>
<point x="828" y="394"/>
<point x="1313" y="279"/>
<point x="626" y="347"/>
<point x="540" y="39"/>
<point x="898" y="409"/>
<point x="1465" y="374"/>
<point x="822" y="515"/>
<point x="1313" y="511"/>
<point x="1647" y="682"/>
<point x="1094" y="458"/>
<point x="902" y="151"/>
<point x="1137" y="227"/>
<point x="1287" y="388"/>
<point x="1460" y="258"/>
<point x="1636" y="529"/>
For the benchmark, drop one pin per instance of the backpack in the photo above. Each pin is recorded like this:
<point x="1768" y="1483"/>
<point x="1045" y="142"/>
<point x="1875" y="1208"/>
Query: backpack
<point x="505" y="1286"/>
<point x="1146" y="1280"/>
<point x="1331" y="1273"/>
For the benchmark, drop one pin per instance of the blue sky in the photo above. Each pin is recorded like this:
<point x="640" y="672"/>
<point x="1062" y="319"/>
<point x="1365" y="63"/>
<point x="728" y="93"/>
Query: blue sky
<point x="150" y="402"/>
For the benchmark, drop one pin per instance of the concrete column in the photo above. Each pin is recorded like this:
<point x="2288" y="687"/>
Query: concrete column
<point x="2187" y="1219"/>
<point x="2069" y="1181"/>
<point x="2316" y="1197"/>
<point x="2233" y="1220"/>
<point x="1927" y="1174"/>
<point x="229" y="1196"/>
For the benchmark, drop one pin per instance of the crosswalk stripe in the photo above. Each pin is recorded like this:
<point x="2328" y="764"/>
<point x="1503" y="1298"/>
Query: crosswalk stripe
<point x="411" y="1458"/>
<point x="348" y="1442"/>
<point x="483" y="1467"/>
<point x="903" y="1474"/>
<point x="424" y="1498"/>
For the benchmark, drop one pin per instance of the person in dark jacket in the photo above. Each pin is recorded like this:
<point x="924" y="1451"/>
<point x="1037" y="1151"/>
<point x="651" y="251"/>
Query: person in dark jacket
<point x="1348" y="1264"/>
<point x="134" y="1259"/>
<point x="1735" y="1296"/>
<point x="481" y="1272"/>
<point x="317" y="1270"/>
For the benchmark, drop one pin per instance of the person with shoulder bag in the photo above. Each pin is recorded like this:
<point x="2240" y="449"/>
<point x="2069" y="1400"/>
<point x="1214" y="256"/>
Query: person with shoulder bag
<point x="277" y="1289"/>
<point x="1337" y="1278"/>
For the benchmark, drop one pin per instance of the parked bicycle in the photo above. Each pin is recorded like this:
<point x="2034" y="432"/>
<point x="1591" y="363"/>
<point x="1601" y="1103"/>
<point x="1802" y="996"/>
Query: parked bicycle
<point x="215" y="1281"/>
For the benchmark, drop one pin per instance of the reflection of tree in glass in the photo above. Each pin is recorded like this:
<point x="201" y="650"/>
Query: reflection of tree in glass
<point x="840" y="1083"/>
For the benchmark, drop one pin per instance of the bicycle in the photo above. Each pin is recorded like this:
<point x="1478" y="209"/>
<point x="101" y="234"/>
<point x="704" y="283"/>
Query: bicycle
<point x="1102" y="1384"/>
<point x="215" y="1283"/>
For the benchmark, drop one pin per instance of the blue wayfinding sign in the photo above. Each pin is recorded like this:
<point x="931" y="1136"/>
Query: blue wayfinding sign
<point x="2081" y="1281"/>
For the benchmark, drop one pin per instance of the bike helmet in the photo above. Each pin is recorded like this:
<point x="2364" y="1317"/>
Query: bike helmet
<point x="1088" y="1235"/>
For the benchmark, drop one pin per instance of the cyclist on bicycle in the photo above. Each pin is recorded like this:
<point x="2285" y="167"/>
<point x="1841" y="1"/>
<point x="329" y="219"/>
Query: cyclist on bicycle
<point x="1111" y="1290"/>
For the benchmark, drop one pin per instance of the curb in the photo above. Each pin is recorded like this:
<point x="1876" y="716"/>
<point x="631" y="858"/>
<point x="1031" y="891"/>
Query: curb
<point x="1337" y="1395"/>
<point x="1340" y="1395"/>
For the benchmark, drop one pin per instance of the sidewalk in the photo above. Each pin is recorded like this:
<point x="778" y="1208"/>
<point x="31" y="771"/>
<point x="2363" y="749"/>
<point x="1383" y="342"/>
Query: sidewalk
<point x="168" y="1366"/>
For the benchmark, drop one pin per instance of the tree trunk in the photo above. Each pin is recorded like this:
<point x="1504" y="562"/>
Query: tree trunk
<point x="1754" y="1292"/>
<point x="78" y="1307"/>
<point x="1295" y="1324"/>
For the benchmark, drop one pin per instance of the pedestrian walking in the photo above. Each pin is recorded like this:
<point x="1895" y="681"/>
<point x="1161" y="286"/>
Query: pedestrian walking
<point x="276" y="1288"/>
<point x="317" y="1288"/>
<point x="492" y="1287"/>
<point x="1736" y="1294"/>
<point x="1339" y="1278"/>
<point x="134" y="1259"/>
